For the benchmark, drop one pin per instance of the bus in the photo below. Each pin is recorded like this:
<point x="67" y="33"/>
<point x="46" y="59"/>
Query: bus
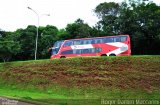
<point x="118" y="45"/>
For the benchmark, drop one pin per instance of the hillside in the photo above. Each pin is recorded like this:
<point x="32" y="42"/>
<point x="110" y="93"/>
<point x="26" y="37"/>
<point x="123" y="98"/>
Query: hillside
<point x="135" y="77"/>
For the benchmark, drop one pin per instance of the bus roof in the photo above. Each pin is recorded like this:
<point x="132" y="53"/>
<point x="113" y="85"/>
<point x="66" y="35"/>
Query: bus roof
<point x="96" y="37"/>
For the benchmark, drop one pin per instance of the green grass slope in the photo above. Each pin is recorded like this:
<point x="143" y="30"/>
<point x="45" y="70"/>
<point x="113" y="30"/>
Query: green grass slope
<point x="75" y="79"/>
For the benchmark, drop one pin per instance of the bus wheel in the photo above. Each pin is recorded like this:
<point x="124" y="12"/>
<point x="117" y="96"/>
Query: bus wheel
<point x="62" y="57"/>
<point x="112" y="55"/>
<point x="103" y="55"/>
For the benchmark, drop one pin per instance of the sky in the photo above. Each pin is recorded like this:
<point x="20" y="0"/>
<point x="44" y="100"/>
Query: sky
<point x="14" y="14"/>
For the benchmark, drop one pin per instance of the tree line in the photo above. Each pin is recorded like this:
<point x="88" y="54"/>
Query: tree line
<point x="140" y="19"/>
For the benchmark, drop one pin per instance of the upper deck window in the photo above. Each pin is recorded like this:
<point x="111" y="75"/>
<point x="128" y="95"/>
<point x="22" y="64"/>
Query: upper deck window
<point x="58" y="43"/>
<point x="108" y="40"/>
<point x="123" y="38"/>
<point x="98" y="40"/>
<point x="87" y="41"/>
<point x="115" y="39"/>
<point x="68" y="43"/>
<point x="77" y="42"/>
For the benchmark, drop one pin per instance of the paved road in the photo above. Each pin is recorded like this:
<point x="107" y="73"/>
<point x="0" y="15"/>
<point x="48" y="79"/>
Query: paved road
<point x="5" y="101"/>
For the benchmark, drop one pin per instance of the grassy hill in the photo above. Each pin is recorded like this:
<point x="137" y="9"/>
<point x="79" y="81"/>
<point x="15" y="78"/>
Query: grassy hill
<point x="71" y="81"/>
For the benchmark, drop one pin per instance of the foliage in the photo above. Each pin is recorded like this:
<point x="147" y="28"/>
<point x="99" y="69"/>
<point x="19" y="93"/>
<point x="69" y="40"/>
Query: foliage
<point x="47" y="37"/>
<point x="108" y="13"/>
<point x="139" y="19"/>
<point x="8" y="46"/>
<point x="79" y="29"/>
<point x="63" y="34"/>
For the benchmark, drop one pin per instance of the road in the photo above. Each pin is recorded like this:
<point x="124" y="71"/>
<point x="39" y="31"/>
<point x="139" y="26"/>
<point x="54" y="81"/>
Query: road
<point x="6" y="101"/>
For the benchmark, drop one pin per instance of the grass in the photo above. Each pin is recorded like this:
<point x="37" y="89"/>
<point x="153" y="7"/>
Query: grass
<point x="74" y="95"/>
<point x="73" y="80"/>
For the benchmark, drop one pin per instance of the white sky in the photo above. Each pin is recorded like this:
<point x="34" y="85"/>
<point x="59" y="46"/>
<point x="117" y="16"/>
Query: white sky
<point x="14" y="13"/>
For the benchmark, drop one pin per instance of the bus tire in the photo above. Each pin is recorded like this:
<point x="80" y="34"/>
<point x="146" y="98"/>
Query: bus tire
<point x="62" y="57"/>
<point x="112" y="55"/>
<point x="103" y="55"/>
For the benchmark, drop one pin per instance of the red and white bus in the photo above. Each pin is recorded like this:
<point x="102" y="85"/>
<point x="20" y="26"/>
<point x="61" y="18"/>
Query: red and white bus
<point x="97" y="46"/>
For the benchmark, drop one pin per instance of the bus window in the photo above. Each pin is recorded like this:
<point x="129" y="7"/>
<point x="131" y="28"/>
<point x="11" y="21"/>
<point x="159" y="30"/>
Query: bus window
<point x="91" y="50"/>
<point x="54" y="51"/>
<point x="87" y="41"/>
<point x="67" y="52"/>
<point x="117" y="39"/>
<point x="98" y="50"/>
<point x="98" y="40"/>
<point x="77" y="51"/>
<point x="84" y="51"/>
<point x="68" y="43"/>
<point x="77" y="42"/>
<point x="58" y="44"/>
<point x="123" y="38"/>
<point x="108" y="40"/>
<point x="56" y="47"/>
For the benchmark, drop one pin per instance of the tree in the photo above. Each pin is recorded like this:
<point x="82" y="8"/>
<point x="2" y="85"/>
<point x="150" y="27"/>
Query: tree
<point x="78" y="29"/>
<point x="48" y="35"/>
<point x="140" y="19"/>
<point x="63" y="34"/>
<point x="8" y="46"/>
<point x="108" y="13"/>
<point x="26" y="38"/>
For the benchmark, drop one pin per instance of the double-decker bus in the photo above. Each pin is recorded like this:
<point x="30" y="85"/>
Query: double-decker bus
<point x="97" y="46"/>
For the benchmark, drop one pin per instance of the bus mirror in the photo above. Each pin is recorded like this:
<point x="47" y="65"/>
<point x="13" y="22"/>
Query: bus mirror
<point x="49" y="49"/>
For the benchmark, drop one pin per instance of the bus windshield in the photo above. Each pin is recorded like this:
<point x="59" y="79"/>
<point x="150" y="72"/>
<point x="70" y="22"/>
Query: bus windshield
<point x="58" y="44"/>
<point x="56" y="47"/>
